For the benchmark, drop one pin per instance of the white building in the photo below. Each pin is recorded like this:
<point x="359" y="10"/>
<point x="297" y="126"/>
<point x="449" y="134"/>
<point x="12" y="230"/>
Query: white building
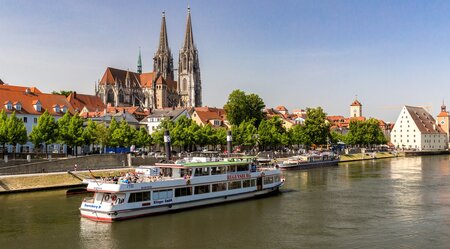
<point x="153" y="121"/>
<point x="416" y="129"/>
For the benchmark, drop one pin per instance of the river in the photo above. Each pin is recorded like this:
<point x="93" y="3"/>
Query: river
<point x="389" y="203"/>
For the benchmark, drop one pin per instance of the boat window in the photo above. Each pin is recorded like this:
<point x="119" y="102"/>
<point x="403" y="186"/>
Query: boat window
<point x="184" y="172"/>
<point x="202" y="189"/>
<point x="140" y="196"/>
<point x="221" y="186"/>
<point x="231" y="168"/>
<point x="268" y="179"/>
<point x="253" y="182"/>
<point x="162" y="194"/>
<point x="276" y="178"/>
<point x="242" y="167"/>
<point x="218" y="170"/>
<point x="202" y="171"/>
<point x="183" y="191"/>
<point x="246" y="183"/>
<point x="234" y="185"/>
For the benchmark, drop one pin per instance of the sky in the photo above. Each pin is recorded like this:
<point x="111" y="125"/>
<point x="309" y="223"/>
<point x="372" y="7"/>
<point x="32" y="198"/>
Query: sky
<point x="293" y="53"/>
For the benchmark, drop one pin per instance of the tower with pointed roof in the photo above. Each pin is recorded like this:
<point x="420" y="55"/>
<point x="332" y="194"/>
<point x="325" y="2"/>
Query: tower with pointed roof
<point x="189" y="82"/>
<point x="443" y="119"/>
<point x="139" y="63"/>
<point x="356" y="109"/>
<point x="163" y="61"/>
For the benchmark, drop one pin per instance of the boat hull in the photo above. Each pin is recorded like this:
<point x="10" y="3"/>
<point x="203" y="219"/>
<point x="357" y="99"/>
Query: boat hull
<point x="310" y="165"/>
<point x="147" y="211"/>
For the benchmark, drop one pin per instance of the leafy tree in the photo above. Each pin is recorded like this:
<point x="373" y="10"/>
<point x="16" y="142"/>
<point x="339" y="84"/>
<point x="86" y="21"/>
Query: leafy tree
<point x="70" y="130"/>
<point x="3" y="130"/>
<point x="111" y="129"/>
<point x="298" y="136"/>
<point x="16" y="130"/>
<point x="245" y="133"/>
<point x="45" y="132"/>
<point x="158" y="135"/>
<point x="62" y="92"/>
<point x="102" y="136"/>
<point x="270" y="132"/>
<point x="123" y="135"/>
<point x="142" y="138"/>
<point x="316" y="129"/>
<point x="241" y="107"/>
<point x="90" y="133"/>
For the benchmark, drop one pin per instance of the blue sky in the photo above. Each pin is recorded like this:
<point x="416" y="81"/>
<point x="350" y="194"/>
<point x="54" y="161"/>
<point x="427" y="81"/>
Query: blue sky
<point x="293" y="53"/>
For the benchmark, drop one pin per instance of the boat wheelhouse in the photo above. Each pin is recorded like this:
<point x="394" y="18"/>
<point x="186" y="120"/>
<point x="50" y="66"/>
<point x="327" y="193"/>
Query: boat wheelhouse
<point x="184" y="184"/>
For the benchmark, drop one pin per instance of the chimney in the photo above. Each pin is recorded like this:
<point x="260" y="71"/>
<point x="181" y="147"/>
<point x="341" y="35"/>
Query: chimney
<point x="74" y="94"/>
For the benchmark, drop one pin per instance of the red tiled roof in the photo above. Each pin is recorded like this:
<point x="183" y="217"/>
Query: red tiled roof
<point x="443" y="114"/>
<point x="423" y="120"/>
<point x="206" y="114"/>
<point x="28" y="100"/>
<point x="356" y="103"/>
<point x="281" y="108"/>
<point x="91" y="102"/>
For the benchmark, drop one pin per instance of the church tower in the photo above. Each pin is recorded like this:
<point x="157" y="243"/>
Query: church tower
<point x="163" y="61"/>
<point x="355" y="109"/>
<point x="139" y="63"/>
<point x="443" y="119"/>
<point x="189" y="83"/>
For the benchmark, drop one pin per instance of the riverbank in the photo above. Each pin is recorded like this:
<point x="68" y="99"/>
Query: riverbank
<point x="369" y="156"/>
<point x="46" y="181"/>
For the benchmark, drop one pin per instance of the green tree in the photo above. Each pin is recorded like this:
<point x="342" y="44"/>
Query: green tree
<point x="62" y="92"/>
<point x="142" y="138"/>
<point x="45" y="132"/>
<point x="17" y="132"/>
<point x="123" y="135"/>
<point x="3" y="130"/>
<point x="241" y="107"/>
<point x="70" y="131"/>
<point x="103" y="137"/>
<point x="298" y="135"/>
<point x="316" y="129"/>
<point x="90" y="133"/>
<point x="270" y="132"/>
<point x="158" y="135"/>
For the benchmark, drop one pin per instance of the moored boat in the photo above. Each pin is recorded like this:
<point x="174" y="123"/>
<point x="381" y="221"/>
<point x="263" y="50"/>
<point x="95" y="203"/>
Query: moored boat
<point x="184" y="184"/>
<point x="312" y="160"/>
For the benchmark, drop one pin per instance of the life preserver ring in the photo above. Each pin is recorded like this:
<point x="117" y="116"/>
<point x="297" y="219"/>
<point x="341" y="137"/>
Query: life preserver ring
<point x="106" y="198"/>
<point x="113" y="197"/>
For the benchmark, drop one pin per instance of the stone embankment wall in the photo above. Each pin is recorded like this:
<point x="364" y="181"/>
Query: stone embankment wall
<point x="106" y="161"/>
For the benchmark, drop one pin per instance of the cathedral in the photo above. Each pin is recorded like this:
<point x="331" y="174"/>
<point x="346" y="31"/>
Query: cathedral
<point x="158" y="89"/>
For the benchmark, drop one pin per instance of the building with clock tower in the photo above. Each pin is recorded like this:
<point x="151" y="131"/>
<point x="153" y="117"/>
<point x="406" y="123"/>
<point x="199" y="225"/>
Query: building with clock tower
<point x="356" y="109"/>
<point x="443" y="119"/>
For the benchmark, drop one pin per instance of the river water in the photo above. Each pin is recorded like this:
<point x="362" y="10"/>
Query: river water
<point x="389" y="203"/>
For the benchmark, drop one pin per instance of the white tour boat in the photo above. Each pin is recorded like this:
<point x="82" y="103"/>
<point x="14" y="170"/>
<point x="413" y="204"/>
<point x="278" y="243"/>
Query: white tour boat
<point x="184" y="184"/>
<point x="307" y="161"/>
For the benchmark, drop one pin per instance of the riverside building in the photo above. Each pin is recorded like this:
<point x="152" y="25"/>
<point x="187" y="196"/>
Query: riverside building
<point x="416" y="129"/>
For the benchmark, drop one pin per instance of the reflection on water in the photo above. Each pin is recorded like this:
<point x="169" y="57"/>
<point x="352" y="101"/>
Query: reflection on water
<point x="392" y="203"/>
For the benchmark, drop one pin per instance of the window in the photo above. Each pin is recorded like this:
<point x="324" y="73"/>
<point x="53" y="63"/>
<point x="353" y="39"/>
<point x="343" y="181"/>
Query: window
<point x="234" y="185"/>
<point x="35" y="120"/>
<point x="241" y="167"/>
<point x="202" y="171"/>
<point x="18" y="106"/>
<point x="25" y="119"/>
<point x="140" y="196"/>
<point x="219" y="187"/>
<point x="231" y="168"/>
<point x="253" y="182"/>
<point x="276" y="178"/>
<point x="246" y="183"/>
<point x="202" y="189"/>
<point x="268" y="179"/>
<point x="183" y="191"/>
<point x="218" y="170"/>
<point x="162" y="194"/>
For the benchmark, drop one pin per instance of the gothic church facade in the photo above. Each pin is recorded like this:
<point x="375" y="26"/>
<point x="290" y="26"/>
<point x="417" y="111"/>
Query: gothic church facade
<point x="158" y="89"/>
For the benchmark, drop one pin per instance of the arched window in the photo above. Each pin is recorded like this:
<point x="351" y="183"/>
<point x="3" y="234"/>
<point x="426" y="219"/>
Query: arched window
<point x="184" y="85"/>
<point x="121" y="97"/>
<point x="110" y="97"/>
